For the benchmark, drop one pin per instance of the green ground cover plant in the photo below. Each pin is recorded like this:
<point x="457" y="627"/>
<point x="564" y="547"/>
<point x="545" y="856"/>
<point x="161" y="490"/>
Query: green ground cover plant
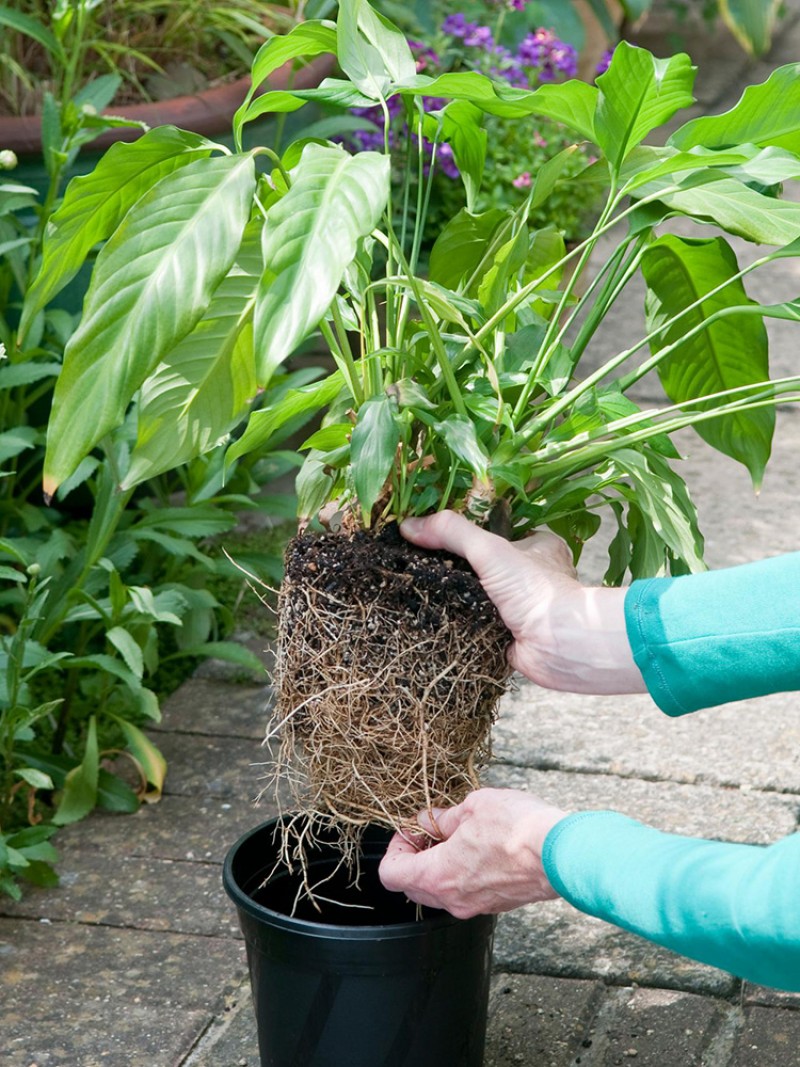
<point x="106" y="598"/>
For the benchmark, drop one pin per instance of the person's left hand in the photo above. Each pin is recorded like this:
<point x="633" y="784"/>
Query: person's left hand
<point x="488" y="861"/>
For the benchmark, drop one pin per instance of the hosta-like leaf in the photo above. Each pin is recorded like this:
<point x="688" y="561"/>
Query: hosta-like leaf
<point x="80" y="786"/>
<point x="205" y="384"/>
<point x="152" y="283"/>
<point x="638" y="93"/>
<point x="307" y="39"/>
<point x="295" y="404"/>
<point x="373" y="447"/>
<point x="729" y="353"/>
<point x="464" y="242"/>
<point x="95" y="204"/>
<point x="372" y="52"/>
<point x="147" y="756"/>
<point x="333" y="91"/>
<point x="735" y="207"/>
<point x="310" y="237"/>
<point x="461" y="438"/>
<point x="752" y="22"/>
<point x="572" y="103"/>
<point x="459" y="125"/>
<point x="765" y="115"/>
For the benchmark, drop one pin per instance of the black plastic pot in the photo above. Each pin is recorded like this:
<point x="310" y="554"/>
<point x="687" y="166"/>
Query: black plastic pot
<point x="356" y="986"/>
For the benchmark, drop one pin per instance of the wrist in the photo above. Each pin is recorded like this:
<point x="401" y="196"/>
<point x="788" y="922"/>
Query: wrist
<point x="592" y="652"/>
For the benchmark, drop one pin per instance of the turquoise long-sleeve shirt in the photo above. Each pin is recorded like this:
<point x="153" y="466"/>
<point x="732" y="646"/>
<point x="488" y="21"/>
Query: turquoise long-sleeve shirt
<point x="699" y="641"/>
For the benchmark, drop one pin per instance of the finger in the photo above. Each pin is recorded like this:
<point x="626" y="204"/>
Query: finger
<point x="398" y="867"/>
<point x="440" y="823"/>
<point x="486" y="552"/>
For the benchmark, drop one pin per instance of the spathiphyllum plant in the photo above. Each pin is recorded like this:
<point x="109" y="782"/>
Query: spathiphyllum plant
<point x="457" y="386"/>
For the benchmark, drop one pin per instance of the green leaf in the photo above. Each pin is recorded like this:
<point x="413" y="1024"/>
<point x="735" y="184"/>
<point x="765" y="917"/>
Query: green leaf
<point x="32" y="28"/>
<point x="297" y="402"/>
<point x="571" y="103"/>
<point x="371" y="50"/>
<point x="128" y="648"/>
<point x="13" y="442"/>
<point x="152" y="283"/>
<point x="752" y="22"/>
<point x="307" y="39"/>
<point x="310" y="237"/>
<point x="195" y="521"/>
<point x="115" y="795"/>
<point x="373" y="447"/>
<point x="95" y="204"/>
<point x="80" y="787"/>
<point x="662" y="498"/>
<point x="108" y="665"/>
<point x="37" y="779"/>
<point x="461" y="438"/>
<point x="463" y="243"/>
<point x="765" y="115"/>
<point x="461" y="128"/>
<point x="314" y="486"/>
<point x="638" y="93"/>
<point x="735" y="207"/>
<point x="149" y="758"/>
<point x="729" y="353"/>
<point x="205" y="385"/>
<point x="499" y="271"/>
<point x="331" y="91"/>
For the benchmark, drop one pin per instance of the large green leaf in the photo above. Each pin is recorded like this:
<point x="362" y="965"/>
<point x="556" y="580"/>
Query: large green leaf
<point x="738" y="209"/>
<point x="372" y="52"/>
<point x="464" y="242"/>
<point x="373" y="447"/>
<point x="752" y="22"/>
<point x="206" y="383"/>
<point x="95" y="204"/>
<point x="33" y="28"/>
<point x="729" y="353"/>
<point x="152" y="283"/>
<point x="572" y="103"/>
<point x="638" y="93"/>
<point x="459" y="124"/>
<point x="307" y="39"/>
<point x="765" y="115"/>
<point x="310" y="238"/>
<point x="458" y="433"/>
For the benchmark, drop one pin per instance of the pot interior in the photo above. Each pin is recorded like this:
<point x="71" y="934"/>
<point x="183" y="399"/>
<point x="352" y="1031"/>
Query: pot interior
<point x="342" y="897"/>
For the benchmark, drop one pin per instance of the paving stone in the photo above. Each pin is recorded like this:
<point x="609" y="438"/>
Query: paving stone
<point x="695" y="810"/>
<point x="752" y="744"/>
<point x="540" y="1021"/>
<point x="656" y="1027"/>
<point x="555" y="939"/>
<point x="769" y="1038"/>
<point x="177" y="828"/>
<point x="209" y="706"/>
<point x="81" y="996"/>
<point x="769" y="998"/>
<point x="228" y="768"/>
<point x="232" y="1040"/>
<point x="134" y="892"/>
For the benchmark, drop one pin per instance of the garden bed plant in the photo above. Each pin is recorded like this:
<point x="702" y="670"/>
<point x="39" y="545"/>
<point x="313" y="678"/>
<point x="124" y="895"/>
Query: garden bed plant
<point x="462" y="386"/>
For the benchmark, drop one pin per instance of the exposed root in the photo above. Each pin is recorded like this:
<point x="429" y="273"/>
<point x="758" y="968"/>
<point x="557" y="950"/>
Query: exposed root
<point x="390" y="665"/>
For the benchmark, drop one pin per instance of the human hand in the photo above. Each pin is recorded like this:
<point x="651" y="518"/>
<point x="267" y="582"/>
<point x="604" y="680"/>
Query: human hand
<point x="566" y="636"/>
<point x="490" y="858"/>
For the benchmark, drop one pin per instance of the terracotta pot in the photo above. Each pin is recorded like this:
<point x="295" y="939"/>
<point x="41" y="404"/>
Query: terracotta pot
<point x="209" y="112"/>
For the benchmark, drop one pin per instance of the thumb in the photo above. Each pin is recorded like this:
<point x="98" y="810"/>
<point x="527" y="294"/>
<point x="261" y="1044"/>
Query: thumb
<point x="440" y="823"/>
<point x="397" y="865"/>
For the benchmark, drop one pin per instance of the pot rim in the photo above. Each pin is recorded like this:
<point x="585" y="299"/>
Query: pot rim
<point x="268" y="916"/>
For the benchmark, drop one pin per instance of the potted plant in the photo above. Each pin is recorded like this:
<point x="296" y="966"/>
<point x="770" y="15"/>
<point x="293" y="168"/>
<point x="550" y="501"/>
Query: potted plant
<point x="458" y="387"/>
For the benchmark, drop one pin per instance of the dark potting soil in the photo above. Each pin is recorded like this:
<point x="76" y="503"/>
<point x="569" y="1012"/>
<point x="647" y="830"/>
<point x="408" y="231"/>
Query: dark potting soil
<point x="429" y="588"/>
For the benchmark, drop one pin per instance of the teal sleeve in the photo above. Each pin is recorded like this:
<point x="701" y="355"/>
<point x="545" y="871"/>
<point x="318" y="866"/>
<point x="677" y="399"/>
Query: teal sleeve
<point x="736" y="907"/>
<point x="710" y="638"/>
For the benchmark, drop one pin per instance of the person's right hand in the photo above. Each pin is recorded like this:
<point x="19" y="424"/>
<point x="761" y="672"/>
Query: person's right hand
<point x="566" y="636"/>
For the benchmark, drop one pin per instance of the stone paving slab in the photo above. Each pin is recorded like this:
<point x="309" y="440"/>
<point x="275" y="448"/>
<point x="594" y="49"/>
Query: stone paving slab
<point x="750" y="745"/>
<point x="769" y="1038"/>
<point x="210" y="706"/>
<point x="555" y="939"/>
<point x="135" y="893"/>
<point x="75" y="995"/>
<point x="228" y="768"/>
<point x="696" y="810"/>
<point x="178" y="828"/>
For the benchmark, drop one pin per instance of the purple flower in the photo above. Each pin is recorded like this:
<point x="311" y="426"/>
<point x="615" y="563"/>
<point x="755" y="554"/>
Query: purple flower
<point x="479" y="37"/>
<point x="425" y="57"/>
<point x="548" y="56"/>
<point x="457" y="25"/>
<point x="446" y="161"/>
<point x="605" y="62"/>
